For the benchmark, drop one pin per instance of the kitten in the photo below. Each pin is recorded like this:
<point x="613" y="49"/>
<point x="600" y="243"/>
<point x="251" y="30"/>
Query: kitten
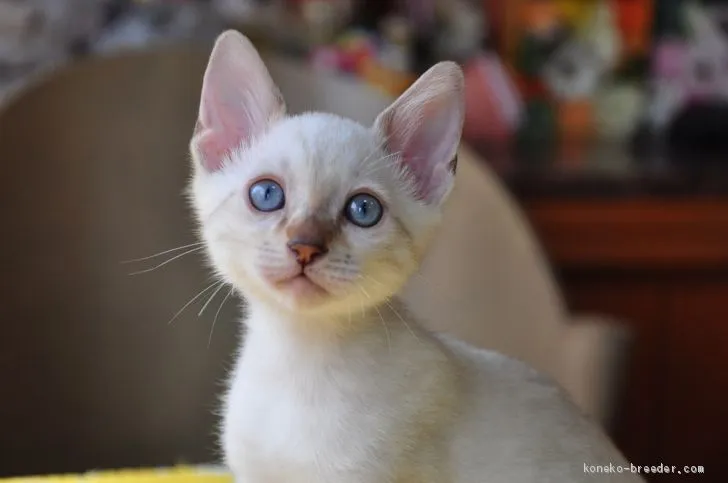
<point x="319" y="221"/>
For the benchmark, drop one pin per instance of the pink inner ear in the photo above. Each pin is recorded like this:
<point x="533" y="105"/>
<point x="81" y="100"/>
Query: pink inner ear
<point x="213" y="147"/>
<point x="221" y="128"/>
<point x="427" y="137"/>
<point x="424" y="126"/>
<point x="239" y="100"/>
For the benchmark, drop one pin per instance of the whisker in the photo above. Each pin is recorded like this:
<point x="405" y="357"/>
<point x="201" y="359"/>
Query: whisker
<point x="192" y="300"/>
<point x="139" y="272"/>
<point x="378" y="165"/>
<point x="134" y="260"/>
<point x="391" y="307"/>
<point x="343" y="267"/>
<point x="384" y="141"/>
<point x="373" y="280"/>
<point x="381" y="318"/>
<point x="222" y="284"/>
<point x="386" y="157"/>
<point x="214" y="321"/>
<point x="361" y="302"/>
<point x="386" y="329"/>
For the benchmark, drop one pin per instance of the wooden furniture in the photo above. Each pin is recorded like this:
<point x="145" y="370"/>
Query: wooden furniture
<point x="647" y="243"/>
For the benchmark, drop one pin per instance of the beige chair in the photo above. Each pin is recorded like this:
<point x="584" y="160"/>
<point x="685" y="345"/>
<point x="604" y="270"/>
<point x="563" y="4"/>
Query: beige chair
<point x="486" y="280"/>
<point x="94" y="164"/>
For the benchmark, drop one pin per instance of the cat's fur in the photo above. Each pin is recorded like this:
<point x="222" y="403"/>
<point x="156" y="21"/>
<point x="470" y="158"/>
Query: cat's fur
<point x="335" y="383"/>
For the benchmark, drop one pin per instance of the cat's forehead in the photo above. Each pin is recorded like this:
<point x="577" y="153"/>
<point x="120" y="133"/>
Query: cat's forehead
<point x="322" y="147"/>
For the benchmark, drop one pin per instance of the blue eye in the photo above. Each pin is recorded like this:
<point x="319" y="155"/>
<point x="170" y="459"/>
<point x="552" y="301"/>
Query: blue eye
<point x="363" y="210"/>
<point x="266" y="195"/>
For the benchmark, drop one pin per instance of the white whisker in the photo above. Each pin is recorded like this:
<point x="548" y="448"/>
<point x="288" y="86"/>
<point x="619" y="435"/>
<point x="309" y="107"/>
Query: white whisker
<point x="386" y="157"/>
<point x="384" y="141"/>
<point x="378" y="164"/>
<point x="192" y="300"/>
<point x="222" y="284"/>
<point x="391" y="307"/>
<point x="134" y="260"/>
<point x="167" y="261"/>
<point x="386" y="329"/>
<point x="214" y="321"/>
<point x="373" y="280"/>
<point x="361" y="302"/>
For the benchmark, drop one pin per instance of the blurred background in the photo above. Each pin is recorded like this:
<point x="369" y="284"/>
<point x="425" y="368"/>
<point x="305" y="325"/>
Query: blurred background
<point x="602" y="123"/>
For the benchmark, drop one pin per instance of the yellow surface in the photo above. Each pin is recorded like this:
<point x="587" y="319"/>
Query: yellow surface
<point x="577" y="13"/>
<point x="172" y="475"/>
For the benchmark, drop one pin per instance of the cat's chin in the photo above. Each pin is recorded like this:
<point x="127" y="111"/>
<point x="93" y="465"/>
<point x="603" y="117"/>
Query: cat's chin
<point x="301" y="290"/>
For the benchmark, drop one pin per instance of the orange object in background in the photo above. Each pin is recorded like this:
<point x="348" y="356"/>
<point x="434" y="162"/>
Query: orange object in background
<point x="509" y="27"/>
<point x="390" y="81"/>
<point x="576" y="119"/>
<point x="540" y="16"/>
<point x="634" y="19"/>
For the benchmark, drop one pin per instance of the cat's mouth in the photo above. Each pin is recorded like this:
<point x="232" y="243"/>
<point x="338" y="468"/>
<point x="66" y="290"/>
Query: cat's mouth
<point x="301" y="286"/>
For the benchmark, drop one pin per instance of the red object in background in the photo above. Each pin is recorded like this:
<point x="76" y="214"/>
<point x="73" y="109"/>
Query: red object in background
<point x="352" y="59"/>
<point x="531" y="88"/>
<point x="495" y="18"/>
<point x="493" y="104"/>
<point x="634" y="19"/>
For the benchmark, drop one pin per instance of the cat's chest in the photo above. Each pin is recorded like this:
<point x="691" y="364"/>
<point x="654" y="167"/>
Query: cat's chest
<point x="315" y="400"/>
<point x="306" y="422"/>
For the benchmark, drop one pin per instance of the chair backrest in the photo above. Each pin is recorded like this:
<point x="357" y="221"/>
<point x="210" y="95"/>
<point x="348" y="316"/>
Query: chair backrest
<point x="486" y="279"/>
<point x="94" y="165"/>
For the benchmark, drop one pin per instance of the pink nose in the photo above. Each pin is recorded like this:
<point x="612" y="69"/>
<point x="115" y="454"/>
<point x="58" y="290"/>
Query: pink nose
<point x="306" y="252"/>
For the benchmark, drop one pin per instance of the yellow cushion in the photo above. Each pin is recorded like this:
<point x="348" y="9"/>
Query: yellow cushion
<point x="180" y="474"/>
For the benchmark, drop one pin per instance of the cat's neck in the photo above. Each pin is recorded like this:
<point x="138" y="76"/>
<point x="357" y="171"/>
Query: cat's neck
<point x="290" y="331"/>
<point x="264" y="320"/>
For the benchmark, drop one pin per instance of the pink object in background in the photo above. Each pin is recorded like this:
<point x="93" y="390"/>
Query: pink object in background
<point x="493" y="106"/>
<point x="670" y="58"/>
<point x="326" y="58"/>
<point x="345" y="55"/>
<point x="355" y="47"/>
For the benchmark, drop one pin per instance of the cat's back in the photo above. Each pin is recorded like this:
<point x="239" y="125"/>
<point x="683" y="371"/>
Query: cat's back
<point x="515" y="425"/>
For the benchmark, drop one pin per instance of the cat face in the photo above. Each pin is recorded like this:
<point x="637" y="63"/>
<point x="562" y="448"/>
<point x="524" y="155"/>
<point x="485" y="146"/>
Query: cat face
<point x="305" y="223"/>
<point x="315" y="213"/>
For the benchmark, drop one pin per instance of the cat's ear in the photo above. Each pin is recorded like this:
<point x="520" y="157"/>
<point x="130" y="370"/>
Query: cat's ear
<point x="423" y="126"/>
<point x="239" y="100"/>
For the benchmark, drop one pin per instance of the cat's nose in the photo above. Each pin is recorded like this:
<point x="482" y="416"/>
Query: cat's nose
<point x="306" y="252"/>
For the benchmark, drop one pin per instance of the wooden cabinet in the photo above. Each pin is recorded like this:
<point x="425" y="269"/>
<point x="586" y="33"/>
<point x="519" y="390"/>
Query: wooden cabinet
<point x="661" y="265"/>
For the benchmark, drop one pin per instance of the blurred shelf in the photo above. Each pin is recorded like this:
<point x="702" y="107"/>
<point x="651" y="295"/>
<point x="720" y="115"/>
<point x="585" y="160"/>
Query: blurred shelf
<point x="608" y="171"/>
<point x="644" y="238"/>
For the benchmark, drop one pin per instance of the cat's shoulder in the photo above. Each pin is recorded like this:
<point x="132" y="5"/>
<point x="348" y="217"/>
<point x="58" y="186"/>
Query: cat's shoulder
<point x="497" y="369"/>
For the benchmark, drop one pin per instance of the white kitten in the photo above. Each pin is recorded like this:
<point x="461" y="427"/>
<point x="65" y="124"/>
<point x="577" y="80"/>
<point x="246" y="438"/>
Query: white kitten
<point x="319" y="221"/>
